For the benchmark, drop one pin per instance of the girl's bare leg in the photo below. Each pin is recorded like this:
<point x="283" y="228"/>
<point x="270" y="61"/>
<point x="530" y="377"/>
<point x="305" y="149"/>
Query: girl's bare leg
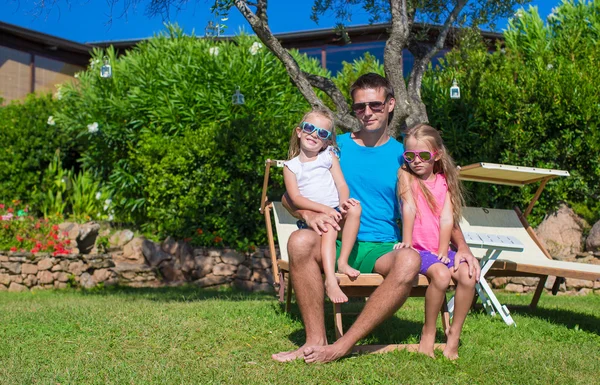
<point x="349" y="232"/>
<point x="465" y="290"/>
<point x="332" y="287"/>
<point x="439" y="280"/>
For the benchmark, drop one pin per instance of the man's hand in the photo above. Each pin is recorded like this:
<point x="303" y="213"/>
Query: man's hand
<point x="319" y="221"/>
<point x="334" y="214"/>
<point x="464" y="254"/>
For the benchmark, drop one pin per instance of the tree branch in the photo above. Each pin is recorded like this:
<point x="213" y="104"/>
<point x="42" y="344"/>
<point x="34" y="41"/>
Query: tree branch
<point x="418" y="111"/>
<point x="301" y="80"/>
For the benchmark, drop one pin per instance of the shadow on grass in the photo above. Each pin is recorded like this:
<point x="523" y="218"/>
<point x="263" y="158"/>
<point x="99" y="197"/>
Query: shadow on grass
<point x="568" y="318"/>
<point x="394" y="330"/>
<point x="184" y="293"/>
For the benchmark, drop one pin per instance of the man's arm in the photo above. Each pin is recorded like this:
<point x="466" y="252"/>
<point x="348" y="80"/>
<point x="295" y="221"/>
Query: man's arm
<point x="316" y="221"/>
<point x="464" y="252"/>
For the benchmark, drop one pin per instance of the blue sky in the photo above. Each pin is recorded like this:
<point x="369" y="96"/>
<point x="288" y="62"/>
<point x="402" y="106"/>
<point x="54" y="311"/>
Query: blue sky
<point x="87" y="20"/>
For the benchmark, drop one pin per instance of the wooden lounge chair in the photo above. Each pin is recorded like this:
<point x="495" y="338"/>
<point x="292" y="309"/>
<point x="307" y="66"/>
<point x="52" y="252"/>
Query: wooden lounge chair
<point x="363" y="286"/>
<point x="534" y="260"/>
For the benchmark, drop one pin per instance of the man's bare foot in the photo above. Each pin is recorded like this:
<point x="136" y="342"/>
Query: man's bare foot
<point x="427" y="342"/>
<point x="335" y="294"/>
<point x="346" y="269"/>
<point x="289" y="356"/>
<point x="323" y="354"/>
<point x="451" y="350"/>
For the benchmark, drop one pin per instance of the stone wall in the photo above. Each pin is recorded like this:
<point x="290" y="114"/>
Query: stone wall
<point x="138" y="262"/>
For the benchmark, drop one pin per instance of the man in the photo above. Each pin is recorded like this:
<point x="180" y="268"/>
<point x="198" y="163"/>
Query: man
<point x="370" y="160"/>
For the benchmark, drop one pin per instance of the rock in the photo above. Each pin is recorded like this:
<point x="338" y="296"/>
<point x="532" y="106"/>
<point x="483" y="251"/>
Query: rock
<point x="77" y="268"/>
<point x="5" y="279"/>
<point x="233" y="257"/>
<point x="28" y="268"/>
<point x="170" y="246"/>
<point x="57" y="267"/>
<point x="573" y="283"/>
<point x="45" y="264"/>
<point x="243" y="273"/>
<point x="525" y="281"/>
<point x="264" y="287"/>
<point x="211" y="280"/>
<point x="514" y="288"/>
<point x="153" y="253"/>
<point x="13" y="267"/>
<point x="60" y="285"/>
<point x="30" y="280"/>
<point x="16" y="278"/>
<point x="224" y="269"/>
<point x="561" y="232"/>
<point x="261" y="263"/>
<point x="585" y="291"/>
<point x="3" y="288"/>
<point x="499" y="282"/>
<point x="596" y="285"/>
<point x="592" y="242"/>
<point x="215" y="253"/>
<point x="243" y="284"/>
<point x="186" y="257"/>
<point x="15" y="287"/>
<point x="204" y="265"/>
<point x="72" y="229"/>
<point x="132" y="252"/>
<point x="101" y="275"/>
<point x="131" y="267"/>
<point x="121" y="238"/>
<point x="61" y="276"/>
<point x="3" y="258"/>
<point x="45" y="277"/>
<point x="87" y="281"/>
<point x="86" y="240"/>
<point x="171" y="272"/>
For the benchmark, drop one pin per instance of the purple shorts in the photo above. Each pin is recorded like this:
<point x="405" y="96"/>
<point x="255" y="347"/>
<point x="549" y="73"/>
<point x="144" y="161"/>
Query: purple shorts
<point x="428" y="259"/>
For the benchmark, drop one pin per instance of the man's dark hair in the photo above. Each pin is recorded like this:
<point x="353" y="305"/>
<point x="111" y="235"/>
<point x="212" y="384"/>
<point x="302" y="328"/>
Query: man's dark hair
<point x="372" y="80"/>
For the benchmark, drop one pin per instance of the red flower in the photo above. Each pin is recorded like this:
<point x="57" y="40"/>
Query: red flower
<point x="68" y="241"/>
<point x="35" y="250"/>
<point x="55" y="227"/>
<point x="19" y="238"/>
<point x="10" y="210"/>
<point x="1" y="205"/>
<point x="50" y="243"/>
<point x="218" y="239"/>
<point x="13" y="249"/>
<point x="37" y="226"/>
<point x="199" y="231"/>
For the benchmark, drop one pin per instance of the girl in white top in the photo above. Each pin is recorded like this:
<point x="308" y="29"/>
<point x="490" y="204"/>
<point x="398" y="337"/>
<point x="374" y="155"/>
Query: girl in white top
<point x="314" y="181"/>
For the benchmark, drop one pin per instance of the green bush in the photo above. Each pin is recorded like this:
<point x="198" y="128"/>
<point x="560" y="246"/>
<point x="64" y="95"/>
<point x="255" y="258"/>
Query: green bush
<point x="162" y="134"/>
<point x="533" y="103"/>
<point x="29" y="140"/>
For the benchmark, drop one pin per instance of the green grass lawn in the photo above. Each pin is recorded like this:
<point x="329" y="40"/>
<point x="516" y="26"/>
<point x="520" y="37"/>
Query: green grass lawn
<point x="187" y="335"/>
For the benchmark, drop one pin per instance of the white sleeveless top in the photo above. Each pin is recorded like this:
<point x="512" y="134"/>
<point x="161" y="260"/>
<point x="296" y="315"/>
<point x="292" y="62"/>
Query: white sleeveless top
<point x="314" y="178"/>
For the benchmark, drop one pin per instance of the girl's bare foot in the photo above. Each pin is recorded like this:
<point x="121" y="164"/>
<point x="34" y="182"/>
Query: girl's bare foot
<point x="451" y="350"/>
<point x="427" y="342"/>
<point x="346" y="269"/>
<point x="335" y="294"/>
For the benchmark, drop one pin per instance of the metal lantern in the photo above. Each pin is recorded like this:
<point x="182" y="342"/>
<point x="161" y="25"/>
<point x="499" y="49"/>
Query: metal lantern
<point x="237" y="98"/>
<point x="106" y="70"/>
<point x="211" y="29"/>
<point x="454" y="90"/>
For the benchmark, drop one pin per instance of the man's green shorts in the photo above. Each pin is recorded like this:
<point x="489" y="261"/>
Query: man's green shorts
<point x="364" y="254"/>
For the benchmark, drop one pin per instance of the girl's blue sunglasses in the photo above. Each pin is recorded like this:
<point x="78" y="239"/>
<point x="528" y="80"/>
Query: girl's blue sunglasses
<point x="322" y="133"/>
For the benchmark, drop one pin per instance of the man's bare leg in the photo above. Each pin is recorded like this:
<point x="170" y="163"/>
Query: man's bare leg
<point x="465" y="291"/>
<point x="400" y="268"/>
<point x="439" y="280"/>
<point x="304" y="249"/>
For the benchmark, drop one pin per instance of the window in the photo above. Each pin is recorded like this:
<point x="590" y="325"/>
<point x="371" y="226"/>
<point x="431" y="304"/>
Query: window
<point x="49" y="73"/>
<point x="15" y="74"/>
<point x="337" y="55"/>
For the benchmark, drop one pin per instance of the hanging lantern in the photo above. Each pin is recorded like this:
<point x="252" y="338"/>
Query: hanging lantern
<point x="106" y="70"/>
<point x="237" y="98"/>
<point x="454" y="90"/>
<point x="211" y="29"/>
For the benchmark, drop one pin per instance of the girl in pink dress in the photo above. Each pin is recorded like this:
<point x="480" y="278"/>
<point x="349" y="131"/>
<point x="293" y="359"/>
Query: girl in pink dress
<point x="431" y="195"/>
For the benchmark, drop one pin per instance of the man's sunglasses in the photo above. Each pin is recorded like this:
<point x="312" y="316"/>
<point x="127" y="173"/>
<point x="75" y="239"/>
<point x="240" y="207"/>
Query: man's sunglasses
<point x="359" y="108"/>
<point x="322" y="133"/>
<point x="410" y="156"/>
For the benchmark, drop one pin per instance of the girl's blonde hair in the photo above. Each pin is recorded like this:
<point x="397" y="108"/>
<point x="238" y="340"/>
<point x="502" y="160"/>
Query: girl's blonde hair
<point x="295" y="141"/>
<point x="445" y="165"/>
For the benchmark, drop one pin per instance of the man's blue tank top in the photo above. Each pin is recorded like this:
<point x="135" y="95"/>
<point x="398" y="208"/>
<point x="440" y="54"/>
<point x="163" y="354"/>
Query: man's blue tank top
<point x="371" y="174"/>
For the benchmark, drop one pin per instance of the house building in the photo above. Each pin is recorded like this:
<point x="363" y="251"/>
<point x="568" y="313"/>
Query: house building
<point x="35" y="62"/>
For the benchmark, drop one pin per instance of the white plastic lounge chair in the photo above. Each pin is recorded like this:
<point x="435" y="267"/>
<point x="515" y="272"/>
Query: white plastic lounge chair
<point x="534" y="260"/>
